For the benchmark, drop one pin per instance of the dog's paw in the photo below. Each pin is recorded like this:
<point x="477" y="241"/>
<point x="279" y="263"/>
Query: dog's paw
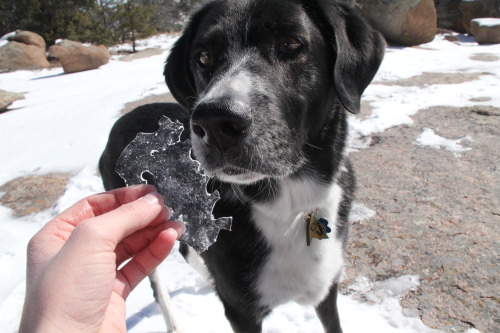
<point x="161" y="159"/>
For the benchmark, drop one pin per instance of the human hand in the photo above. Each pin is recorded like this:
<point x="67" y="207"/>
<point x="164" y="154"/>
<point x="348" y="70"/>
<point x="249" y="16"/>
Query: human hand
<point x="75" y="282"/>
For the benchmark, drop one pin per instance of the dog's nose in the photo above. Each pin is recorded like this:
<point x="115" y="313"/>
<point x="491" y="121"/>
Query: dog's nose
<point x="220" y="124"/>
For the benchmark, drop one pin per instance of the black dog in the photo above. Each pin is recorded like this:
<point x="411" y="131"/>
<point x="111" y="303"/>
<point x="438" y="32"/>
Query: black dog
<point x="264" y="87"/>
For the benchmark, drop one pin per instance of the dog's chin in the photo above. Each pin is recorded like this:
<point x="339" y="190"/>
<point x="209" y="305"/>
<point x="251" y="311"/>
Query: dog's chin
<point x="236" y="175"/>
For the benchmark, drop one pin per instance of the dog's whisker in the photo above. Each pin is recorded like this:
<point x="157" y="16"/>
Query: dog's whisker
<point x="315" y="147"/>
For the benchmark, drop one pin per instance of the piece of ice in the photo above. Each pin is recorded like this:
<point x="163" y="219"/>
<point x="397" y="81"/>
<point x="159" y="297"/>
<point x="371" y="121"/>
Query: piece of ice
<point x="161" y="159"/>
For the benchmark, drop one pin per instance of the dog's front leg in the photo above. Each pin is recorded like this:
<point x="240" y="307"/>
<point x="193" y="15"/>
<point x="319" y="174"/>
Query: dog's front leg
<point x="244" y="318"/>
<point x="328" y="313"/>
<point x="242" y="322"/>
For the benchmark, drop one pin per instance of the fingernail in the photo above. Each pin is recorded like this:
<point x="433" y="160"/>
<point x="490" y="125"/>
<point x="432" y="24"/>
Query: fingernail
<point x="168" y="213"/>
<point x="151" y="198"/>
<point x="174" y="231"/>
<point x="179" y="226"/>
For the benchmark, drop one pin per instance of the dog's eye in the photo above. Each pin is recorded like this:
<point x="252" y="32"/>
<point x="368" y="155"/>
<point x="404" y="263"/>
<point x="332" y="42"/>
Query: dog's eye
<point x="290" y="45"/>
<point x="205" y="59"/>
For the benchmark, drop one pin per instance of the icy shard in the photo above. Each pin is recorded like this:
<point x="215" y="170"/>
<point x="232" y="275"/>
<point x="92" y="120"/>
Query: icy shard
<point x="161" y="159"/>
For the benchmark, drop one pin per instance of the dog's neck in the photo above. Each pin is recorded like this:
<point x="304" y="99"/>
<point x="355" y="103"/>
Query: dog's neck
<point x="280" y="198"/>
<point x="294" y="196"/>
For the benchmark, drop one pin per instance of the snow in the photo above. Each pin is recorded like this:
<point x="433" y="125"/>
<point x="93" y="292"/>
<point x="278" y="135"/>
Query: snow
<point x="394" y="105"/>
<point x="487" y="22"/>
<point x="63" y="125"/>
<point x="5" y="38"/>
<point x="431" y="139"/>
<point x="360" y="212"/>
<point x="154" y="42"/>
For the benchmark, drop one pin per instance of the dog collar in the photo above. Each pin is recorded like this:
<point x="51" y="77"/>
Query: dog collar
<point x="316" y="227"/>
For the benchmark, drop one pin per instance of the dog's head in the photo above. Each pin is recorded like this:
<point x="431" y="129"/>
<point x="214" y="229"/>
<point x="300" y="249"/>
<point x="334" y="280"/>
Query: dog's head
<point x="263" y="79"/>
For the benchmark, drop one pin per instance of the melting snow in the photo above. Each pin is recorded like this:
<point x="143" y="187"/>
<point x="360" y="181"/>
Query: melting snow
<point x="430" y="139"/>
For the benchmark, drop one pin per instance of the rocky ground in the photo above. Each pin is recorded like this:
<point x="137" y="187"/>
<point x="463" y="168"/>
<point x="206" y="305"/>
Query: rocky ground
<point x="33" y="193"/>
<point x="437" y="214"/>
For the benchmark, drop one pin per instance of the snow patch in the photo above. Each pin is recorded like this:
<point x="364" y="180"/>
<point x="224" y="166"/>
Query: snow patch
<point x="381" y="304"/>
<point x="360" y="213"/>
<point x="4" y="39"/>
<point x="85" y="183"/>
<point x="159" y="41"/>
<point x="378" y="291"/>
<point x="8" y="35"/>
<point x="487" y="22"/>
<point x="430" y="139"/>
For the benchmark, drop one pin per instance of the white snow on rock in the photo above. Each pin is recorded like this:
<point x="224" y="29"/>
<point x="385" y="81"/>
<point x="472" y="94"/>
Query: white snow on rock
<point x="487" y="22"/>
<point x="430" y="139"/>
<point x="360" y="212"/>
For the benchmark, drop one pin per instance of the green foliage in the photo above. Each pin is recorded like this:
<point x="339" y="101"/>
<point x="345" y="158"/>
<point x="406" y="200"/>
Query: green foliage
<point x="96" y="21"/>
<point x="134" y="20"/>
<point x="170" y="15"/>
<point x="18" y="13"/>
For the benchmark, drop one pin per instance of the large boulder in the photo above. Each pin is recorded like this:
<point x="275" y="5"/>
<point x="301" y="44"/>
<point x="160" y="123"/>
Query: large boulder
<point x="23" y="50"/>
<point x="402" y="22"/>
<point x="456" y="15"/>
<point x="472" y="9"/>
<point x="28" y="38"/>
<point x="449" y="15"/>
<point x="77" y="57"/>
<point x="486" y="30"/>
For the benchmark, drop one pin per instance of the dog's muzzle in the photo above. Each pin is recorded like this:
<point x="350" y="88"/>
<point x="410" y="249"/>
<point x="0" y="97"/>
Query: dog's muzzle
<point x="221" y="124"/>
<point x="219" y="130"/>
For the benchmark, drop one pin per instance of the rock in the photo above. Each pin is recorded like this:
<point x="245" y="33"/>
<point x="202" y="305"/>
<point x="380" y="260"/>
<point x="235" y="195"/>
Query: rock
<point x="34" y="193"/>
<point x="404" y="22"/>
<point x="7" y="98"/>
<point x="472" y="9"/>
<point x="486" y="30"/>
<point x="24" y="50"/>
<point x="28" y="38"/>
<point x="449" y="15"/>
<point x="77" y="57"/>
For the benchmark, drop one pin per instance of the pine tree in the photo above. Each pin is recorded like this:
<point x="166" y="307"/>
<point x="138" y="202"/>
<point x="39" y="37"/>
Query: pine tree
<point x="96" y="21"/>
<point x="63" y="19"/>
<point x="135" y="20"/>
<point x="18" y="14"/>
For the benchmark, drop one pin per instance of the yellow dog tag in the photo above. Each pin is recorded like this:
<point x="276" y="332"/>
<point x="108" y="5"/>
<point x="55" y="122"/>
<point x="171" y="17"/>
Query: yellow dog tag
<point x="316" y="228"/>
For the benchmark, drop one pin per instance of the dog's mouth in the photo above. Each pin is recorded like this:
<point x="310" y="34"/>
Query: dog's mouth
<point x="256" y="156"/>
<point x="244" y="170"/>
<point x="236" y="175"/>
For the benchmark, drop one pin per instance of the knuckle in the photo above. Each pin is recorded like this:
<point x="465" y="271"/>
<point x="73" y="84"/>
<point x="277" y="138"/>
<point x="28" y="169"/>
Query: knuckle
<point x="89" y="228"/>
<point x="33" y="244"/>
<point x="134" y="208"/>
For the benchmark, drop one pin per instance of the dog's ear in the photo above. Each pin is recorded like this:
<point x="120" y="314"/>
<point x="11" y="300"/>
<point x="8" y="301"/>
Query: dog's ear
<point x="358" y="48"/>
<point x="177" y="71"/>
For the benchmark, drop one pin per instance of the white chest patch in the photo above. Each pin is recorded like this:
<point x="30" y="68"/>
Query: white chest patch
<point x="295" y="271"/>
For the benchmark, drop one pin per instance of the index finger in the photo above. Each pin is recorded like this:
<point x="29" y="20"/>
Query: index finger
<point x="98" y="204"/>
<point x="112" y="227"/>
